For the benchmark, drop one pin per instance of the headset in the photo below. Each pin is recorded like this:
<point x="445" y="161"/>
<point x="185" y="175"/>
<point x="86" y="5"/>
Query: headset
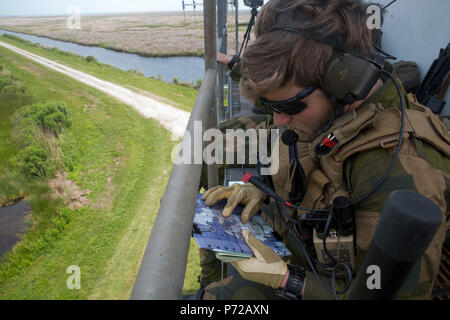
<point x="349" y="77"/>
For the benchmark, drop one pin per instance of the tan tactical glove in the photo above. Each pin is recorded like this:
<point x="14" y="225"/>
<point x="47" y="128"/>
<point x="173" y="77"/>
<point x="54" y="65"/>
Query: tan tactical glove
<point x="246" y="194"/>
<point x="266" y="268"/>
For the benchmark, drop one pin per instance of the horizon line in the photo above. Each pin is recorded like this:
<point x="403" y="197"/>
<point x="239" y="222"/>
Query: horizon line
<point x="97" y="13"/>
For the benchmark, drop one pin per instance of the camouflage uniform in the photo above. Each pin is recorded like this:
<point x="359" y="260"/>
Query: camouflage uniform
<point x="354" y="167"/>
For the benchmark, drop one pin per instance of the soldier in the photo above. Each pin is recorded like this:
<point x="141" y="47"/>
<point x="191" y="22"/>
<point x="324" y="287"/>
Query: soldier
<point x="334" y="145"/>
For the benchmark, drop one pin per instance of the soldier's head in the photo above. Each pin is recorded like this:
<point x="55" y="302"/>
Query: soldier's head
<point x="279" y="64"/>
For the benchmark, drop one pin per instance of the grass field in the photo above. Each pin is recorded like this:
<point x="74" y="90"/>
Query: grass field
<point x="147" y="34"/>
<point x="122" y="159"/>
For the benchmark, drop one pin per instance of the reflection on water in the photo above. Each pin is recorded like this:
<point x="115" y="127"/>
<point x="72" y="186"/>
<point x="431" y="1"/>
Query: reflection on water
<point x="185" y="69"/>
<point x="12" y="224"/>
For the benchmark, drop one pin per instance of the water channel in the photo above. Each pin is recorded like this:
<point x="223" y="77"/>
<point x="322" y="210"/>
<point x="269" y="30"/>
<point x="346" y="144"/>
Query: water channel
<point x="185" y="69"/>
<point x="13" y="223"/>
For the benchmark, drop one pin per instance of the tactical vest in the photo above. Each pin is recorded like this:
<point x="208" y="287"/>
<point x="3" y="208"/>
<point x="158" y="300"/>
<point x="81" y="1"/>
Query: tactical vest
<point x="369" y="127"/>
<point x="356" y="131"/>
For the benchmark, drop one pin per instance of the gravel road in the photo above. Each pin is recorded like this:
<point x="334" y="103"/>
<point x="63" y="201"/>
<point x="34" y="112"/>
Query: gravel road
<point x="174" y="119"/>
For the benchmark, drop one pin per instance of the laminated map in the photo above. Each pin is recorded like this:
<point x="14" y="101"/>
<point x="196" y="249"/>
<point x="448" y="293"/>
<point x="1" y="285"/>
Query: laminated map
<point x="212" y="231"/>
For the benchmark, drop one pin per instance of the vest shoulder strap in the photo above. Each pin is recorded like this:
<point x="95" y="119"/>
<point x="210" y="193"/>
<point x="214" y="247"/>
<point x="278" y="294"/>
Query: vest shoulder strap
<point x="382" y="131"/>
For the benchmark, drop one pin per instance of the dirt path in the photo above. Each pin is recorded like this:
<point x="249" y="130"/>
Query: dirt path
<point x="175" y="120"/>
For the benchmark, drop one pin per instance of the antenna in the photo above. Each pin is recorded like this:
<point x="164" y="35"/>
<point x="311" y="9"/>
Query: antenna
<point x="194" y="4"/>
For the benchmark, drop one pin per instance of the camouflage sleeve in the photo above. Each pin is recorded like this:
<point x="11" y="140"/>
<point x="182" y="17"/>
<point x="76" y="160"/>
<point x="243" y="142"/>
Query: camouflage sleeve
<point x="420" y="168"/>
<point x="256" y="121"/>
<point x="315" y="291"/>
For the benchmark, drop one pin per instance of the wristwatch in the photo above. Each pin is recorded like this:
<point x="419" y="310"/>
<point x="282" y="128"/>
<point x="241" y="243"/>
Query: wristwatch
<point x="233" y="61"/>
<point x="294" y="284"/>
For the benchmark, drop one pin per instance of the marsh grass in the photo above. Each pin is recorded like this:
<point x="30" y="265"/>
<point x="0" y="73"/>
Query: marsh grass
<point x="147" y="34"/>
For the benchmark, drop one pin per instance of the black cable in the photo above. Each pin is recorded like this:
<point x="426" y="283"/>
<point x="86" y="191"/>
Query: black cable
<point x="333" y="279"/>
<point x="313" y="268"/>
<point x="326" y="231"/>
<point x="400" y="142"/>
<point x="337" y="112"/>
<point x="335" y="265"/>
<point x="249" y="29"/>
<point x="387" y="55"/>
<point x="388" y="5"/>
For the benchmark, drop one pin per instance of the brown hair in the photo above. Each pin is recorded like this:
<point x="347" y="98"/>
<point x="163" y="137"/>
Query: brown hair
<point x="279" y="57"/>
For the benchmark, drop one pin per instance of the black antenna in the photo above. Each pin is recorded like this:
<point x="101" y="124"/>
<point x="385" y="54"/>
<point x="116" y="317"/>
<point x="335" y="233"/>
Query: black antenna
<point x="194" y="5"/>
<point x="388" y="5"/>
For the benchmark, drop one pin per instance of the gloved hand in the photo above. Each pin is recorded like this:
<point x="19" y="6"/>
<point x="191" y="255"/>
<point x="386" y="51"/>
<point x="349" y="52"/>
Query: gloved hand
<point x="246" y="194"/>
<point x="266" y="268"/>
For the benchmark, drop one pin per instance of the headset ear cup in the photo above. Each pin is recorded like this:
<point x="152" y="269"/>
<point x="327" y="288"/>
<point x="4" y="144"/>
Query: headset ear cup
<point x="326" y="82"/>
<point x="347" y="74"/>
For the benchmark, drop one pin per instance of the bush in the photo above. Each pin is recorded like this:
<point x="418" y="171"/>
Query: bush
<point x="8" y="90"/>
<point x="136" y="71"/>
<point x="16" y="38"/>
<point x="91" y="59"/>
<point x="198" y="84"/>
<point x="9" y="84"/>
<point x="5" y="81"/>
<point x="35" y="161"/>
<point x="36" y="130"/>
<point x="54" y="116"/>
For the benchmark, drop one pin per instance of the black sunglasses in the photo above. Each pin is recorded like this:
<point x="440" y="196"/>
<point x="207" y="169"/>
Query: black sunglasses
<point x="290" y="106"/>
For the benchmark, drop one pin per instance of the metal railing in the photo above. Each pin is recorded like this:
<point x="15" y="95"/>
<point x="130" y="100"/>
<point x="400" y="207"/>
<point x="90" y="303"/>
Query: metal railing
<point x="162" y="271"/>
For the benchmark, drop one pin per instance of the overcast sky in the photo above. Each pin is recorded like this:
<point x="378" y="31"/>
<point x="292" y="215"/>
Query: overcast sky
<point x="58" y="7"/>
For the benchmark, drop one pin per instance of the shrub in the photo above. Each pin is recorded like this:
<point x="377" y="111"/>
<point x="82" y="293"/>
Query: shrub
<point x="54" y="116"/>
<point x="16" y="38"/>
<point x="5" y="81"/>
<point x="8" y="90"/>
<point x="198" y="84"/>
<point x="36" y="128"/>
<point x="136" y="71"/>
<point x="91" y="59"/>
<point x="35" y="161"/>
<point x="9" y="84"/>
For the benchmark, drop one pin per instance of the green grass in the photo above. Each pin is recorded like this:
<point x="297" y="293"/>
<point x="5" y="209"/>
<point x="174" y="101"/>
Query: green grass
<point x="177" y="95"/>
<point x="122" y="158"/>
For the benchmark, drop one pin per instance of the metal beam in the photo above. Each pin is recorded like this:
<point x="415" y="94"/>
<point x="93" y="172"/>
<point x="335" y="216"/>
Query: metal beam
<point x="209" y="22"/>
<point x="162" y="271"/>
